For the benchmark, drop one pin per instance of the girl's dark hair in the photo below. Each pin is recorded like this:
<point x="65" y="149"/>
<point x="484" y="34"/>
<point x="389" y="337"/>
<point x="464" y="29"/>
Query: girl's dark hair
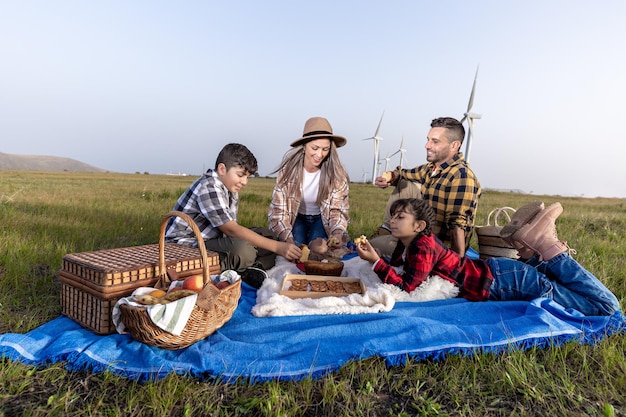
<point x="237" y="155"/>
<point x="418" y="208"/>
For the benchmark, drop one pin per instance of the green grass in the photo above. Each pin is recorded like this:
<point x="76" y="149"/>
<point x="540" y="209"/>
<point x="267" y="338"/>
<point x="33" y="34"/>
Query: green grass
<point x="47" y="215"/>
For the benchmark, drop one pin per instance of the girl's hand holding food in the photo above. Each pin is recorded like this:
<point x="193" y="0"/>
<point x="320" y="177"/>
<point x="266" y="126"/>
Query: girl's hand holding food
<point x="365" y="250"/>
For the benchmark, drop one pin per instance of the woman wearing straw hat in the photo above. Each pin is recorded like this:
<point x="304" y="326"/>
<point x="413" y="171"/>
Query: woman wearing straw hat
<point x="310" y="198"/>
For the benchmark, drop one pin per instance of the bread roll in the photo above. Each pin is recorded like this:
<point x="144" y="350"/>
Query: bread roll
<point x="305" y="253"/>
<point x="387" y="176"/>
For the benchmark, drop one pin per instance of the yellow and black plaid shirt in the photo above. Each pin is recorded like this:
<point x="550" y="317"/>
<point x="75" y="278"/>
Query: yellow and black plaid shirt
<point x="453" y="192"/>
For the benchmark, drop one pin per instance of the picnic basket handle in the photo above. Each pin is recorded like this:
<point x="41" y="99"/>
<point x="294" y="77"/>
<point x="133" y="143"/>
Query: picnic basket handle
<point x="203" y="254"/>
<point x="498" y="211"/>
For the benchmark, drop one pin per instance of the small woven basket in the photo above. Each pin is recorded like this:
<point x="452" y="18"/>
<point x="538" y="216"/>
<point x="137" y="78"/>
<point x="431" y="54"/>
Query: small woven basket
<point x="490" y="244"/>
<point x="213" y="308"/>
<point x="330" y="268"/>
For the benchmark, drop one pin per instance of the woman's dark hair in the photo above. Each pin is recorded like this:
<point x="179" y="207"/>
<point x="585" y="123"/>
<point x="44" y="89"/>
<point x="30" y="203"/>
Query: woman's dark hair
<point x="237" y="155"/>
<point x="418" y="208"/>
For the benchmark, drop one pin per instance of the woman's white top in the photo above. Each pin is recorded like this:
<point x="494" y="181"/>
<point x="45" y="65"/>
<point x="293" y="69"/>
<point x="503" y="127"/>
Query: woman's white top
<point x="310" y="187"/>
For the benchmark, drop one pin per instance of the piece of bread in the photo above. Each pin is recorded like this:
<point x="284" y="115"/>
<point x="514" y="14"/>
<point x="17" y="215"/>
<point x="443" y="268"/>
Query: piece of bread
<point x="334" y="241"/>
<point x="360" y="239"/>
<point x="387" y="176"/>
<point x="305" y="253"/>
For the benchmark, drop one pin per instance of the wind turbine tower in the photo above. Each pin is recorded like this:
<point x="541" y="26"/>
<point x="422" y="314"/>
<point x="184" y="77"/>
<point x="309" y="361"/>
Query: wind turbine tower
<point x="376" y="140"/>
<point x="386" y="159"/>
<point x="400" y="151"/>
<point x="364" y="179"/>
<point x="470" y="120"/>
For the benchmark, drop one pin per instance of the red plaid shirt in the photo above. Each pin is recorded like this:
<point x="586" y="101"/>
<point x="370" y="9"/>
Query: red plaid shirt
<point x="427" y="256"/>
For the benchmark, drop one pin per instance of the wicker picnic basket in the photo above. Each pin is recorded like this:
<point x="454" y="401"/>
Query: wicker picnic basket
<point x="490" y="244"/>
<point x="329" y="268"/>
<point x="213" y="308"/>
<point x="92" y="282"/>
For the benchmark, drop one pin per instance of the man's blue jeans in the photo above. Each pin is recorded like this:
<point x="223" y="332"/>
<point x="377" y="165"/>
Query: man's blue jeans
<point x="561" y="279"/>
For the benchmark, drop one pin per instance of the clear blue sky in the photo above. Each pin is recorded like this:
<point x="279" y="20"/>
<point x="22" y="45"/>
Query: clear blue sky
<point x="161" y="86"/>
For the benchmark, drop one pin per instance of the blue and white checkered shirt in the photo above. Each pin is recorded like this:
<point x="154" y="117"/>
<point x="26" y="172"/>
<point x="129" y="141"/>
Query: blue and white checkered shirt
<point x="209" y="203"/>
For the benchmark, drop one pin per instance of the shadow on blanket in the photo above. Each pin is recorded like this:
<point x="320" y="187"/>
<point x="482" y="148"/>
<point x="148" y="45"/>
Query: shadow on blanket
<point x="311" y="346"/>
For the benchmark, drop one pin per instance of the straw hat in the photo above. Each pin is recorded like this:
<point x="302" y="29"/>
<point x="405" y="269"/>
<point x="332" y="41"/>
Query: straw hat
<point x="317" y="128"/>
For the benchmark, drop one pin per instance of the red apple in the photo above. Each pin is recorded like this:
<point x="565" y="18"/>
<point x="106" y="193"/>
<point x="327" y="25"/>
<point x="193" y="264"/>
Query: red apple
<point x="223" y="284"/>
<point x="194" y="282"/>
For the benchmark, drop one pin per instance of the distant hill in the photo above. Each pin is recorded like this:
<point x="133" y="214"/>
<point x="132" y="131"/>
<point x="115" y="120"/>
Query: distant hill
<point x="43" y="163"/>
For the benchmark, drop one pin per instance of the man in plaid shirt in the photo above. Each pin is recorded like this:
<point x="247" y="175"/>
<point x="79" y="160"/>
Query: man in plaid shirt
<point x="446" y="182"/>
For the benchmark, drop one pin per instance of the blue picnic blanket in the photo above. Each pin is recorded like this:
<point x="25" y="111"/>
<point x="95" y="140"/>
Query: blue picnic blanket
<point x="298" y="347"/>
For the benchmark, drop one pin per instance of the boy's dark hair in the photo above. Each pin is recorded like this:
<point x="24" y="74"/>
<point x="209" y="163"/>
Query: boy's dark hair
<point x="237" y="155"/>
<point x="418" y="208"/>
<point x="456" y="131"/>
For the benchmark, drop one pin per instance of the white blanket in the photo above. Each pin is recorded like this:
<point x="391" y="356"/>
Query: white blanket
<point x="378" y="297"/>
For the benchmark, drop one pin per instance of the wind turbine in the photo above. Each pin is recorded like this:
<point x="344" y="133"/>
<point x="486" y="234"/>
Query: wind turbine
<point x="470" y="120"/>
<point x="400" y="151"/>
<point x="376" y="140"/>
<point x="364" y="178"/>
<point x="386" y="159"/>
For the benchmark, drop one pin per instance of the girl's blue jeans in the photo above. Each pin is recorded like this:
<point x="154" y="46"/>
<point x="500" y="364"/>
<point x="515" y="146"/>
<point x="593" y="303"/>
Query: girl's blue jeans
<point x="561" y="279"/>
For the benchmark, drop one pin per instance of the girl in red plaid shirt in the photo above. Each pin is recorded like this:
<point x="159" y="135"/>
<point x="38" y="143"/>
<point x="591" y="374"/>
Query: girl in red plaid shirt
<point x="555" y="275"/>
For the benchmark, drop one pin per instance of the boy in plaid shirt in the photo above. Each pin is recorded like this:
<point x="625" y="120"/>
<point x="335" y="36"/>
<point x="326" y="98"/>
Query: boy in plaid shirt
<point x="212" y="201"/>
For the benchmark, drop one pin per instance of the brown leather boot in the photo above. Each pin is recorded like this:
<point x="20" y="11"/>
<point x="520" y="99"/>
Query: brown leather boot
<point x="522" y="251"/>
<point x="540" y="234"/>
<point x="522" y="216"/>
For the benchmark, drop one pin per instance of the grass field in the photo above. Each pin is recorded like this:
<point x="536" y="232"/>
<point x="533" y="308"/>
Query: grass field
<point x="47" y="215"/>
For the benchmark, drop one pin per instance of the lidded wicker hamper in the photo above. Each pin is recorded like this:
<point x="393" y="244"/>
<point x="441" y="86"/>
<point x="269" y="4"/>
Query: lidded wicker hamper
<point x="213" y="308"/>
<point x="92" y="282"/>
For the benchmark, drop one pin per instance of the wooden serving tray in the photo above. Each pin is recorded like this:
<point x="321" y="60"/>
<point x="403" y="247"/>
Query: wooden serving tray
<point x="317" y="282"/>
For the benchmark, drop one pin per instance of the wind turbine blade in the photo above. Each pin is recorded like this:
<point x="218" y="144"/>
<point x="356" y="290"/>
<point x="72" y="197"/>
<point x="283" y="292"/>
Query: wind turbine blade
<point x="379" y="122"/>
<point x="462" y="120"/>
<point x="471" y="100"/>
<point x="400" y="149"/>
